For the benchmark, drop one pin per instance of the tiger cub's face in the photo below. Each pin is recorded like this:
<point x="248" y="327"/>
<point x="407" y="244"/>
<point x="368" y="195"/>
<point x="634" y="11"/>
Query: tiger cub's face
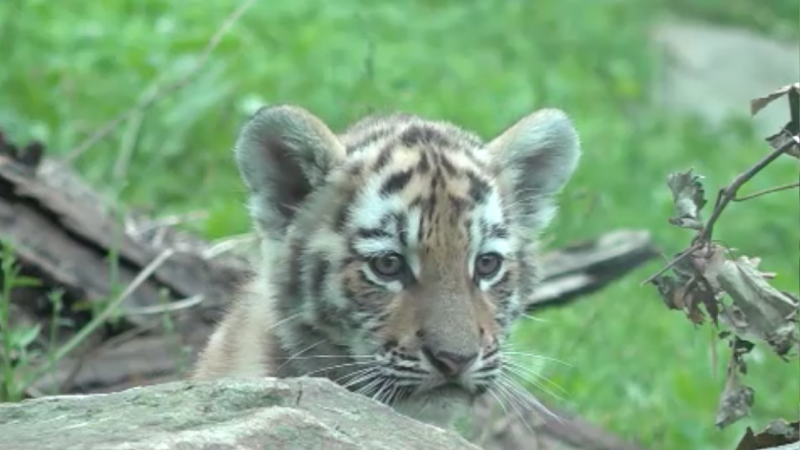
<point x="405" y="246"/>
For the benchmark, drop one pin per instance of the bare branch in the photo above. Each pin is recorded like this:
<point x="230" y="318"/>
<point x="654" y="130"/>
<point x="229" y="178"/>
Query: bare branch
<point x="767" y="191"/>
<point x="729" y="193"/>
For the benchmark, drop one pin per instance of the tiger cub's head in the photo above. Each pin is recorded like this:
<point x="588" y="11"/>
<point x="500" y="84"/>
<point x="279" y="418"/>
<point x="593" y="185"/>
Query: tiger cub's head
<point x="404" y="245"/>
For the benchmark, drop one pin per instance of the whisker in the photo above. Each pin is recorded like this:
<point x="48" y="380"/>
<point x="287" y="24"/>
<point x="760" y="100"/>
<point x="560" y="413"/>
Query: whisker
<point x="535" y="356"/>
<point x="357" y="377"/>
<point x="530" y="376"/>
<point x="288" y="360"/>
<point x="370" y="386"/>
<point x="534" y="319"/>
<point x="345" y="356"/>
<point x="385" y="389"/>
<point x="284" y="321"/>
<point x="499" y="402"/>
<point x="504" y="391"/>
<point x="338" y="366"/>
<point x="524" y="396"/>
<point x="549" y="382"/>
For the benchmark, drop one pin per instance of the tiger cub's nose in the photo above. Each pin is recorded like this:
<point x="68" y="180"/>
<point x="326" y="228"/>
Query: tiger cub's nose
<point x="450" y="364"/>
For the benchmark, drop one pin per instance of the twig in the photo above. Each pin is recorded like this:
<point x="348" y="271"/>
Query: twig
<point x="69" y="381"/>
<point x="177" y="305"/>
<point x="147" y="101"/>
<point x="128" y="147"/>
<point x="767" y="191"/>
<point x="672" y="262"/>
<point x="99" y="319"/>
<point x="726" y="195"/>
<point x="729" y="192"/>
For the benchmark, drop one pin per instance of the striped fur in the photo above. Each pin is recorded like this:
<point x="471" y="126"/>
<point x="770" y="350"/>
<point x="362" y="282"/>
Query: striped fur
<point x="390" y="252"/>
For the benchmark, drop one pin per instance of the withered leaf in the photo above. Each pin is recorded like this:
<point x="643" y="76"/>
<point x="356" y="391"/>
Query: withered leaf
<point x="740" y="347"/>
<point x="757" y="104"/>
<point x="732" y="316"/>
<point x="693" y="300"/>
<point x="736" y="398"/>
<point x="735" y="402"/>
<point x="777" y="434"/>
<point x="681" y="295"/>
<point x="766" y="312"/>
<point x="783" y="137"/>
<point x="667" y="286"/>
<point x="705" y="295"/>
<point x="689" y="198"/>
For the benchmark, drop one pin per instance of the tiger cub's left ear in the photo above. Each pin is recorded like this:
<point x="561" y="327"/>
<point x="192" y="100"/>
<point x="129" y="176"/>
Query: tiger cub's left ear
<point x="535" y="158"/>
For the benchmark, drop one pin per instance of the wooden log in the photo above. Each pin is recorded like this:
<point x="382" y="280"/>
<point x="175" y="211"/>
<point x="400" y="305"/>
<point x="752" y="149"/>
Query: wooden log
<point x="61" y="228"/>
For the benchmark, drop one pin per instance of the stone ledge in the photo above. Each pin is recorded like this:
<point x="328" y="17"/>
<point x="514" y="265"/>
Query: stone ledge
<point x="301" y="413"/>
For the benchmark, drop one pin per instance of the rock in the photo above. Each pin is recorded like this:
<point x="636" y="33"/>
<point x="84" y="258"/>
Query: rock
<point x="714" y="71"/>
<point x="264" y="414"/>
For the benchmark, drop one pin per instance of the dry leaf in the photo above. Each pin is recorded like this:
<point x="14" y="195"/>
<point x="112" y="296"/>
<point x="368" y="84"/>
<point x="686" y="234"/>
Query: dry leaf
<point x="757" y="104"/>
<point x="699" y="269"/>
<point x="735" y="403"/>
<point x="687" y="296"/>
<point x="779" y="434"/>
<point x="689" y="198"/>
<point x="767" y="313"/>
<point x="782" y="138"/>
<point x="667" y="286"/>
<point x="737" y="398"/>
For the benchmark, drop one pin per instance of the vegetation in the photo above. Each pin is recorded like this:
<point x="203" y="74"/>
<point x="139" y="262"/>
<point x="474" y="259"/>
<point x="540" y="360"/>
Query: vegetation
<point x="633" y="366"/>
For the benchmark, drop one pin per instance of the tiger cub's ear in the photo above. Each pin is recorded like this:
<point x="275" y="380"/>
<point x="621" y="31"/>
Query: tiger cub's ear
<point x="535" y="158"/>
<point x="283" y="153"/>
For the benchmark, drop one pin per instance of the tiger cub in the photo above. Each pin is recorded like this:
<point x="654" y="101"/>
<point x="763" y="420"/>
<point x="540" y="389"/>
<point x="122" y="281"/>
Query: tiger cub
<point x="395" y="256"/>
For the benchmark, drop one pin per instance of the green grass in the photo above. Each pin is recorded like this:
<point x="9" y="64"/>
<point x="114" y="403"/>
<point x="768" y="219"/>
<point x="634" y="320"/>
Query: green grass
<point x="636" y="368"/>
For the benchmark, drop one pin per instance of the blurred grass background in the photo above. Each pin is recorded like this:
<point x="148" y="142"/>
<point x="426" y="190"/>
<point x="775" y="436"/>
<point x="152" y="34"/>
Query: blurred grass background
<point x="635" y="368"/>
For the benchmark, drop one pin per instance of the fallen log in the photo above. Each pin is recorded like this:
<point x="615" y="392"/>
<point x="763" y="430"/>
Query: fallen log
<point x="63" y="233"/>
<point x="62" y="230"/>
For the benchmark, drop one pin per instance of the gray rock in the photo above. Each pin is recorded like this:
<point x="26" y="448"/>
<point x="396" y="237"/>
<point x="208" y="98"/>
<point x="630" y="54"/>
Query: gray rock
<point x="714" y="71"/>
<point x="264" y="414"/>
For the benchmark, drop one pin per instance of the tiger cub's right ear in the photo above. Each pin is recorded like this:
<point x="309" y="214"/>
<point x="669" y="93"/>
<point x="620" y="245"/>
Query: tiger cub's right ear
<point x="283" y="153"/>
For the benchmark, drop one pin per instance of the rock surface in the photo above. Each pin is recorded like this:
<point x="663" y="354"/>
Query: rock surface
<point x="269" y="414"/>
<point x="714" y="71"/>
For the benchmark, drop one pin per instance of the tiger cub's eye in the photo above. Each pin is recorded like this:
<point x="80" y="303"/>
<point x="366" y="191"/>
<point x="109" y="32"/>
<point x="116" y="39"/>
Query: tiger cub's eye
<point x="487" y="265"/>
<point x="389" y="265"/>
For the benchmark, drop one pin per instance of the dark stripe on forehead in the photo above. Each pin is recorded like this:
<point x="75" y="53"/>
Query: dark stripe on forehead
<point x="444" y="162"/>
<point x="497" y="231"/>
<point x="368" y="134"/>
<point x="396" y="182"/>
<point x="420" y="134"/>
<point x="382" y="231"/>
<point x="424" y="165"/>
<point x="473" y="158"/>
<point x="383" y="159"/>
<point x="400" y="228"/>
<point x="430" y="206"/>
<point x="478" y="188"/>
<point x="373" y="233"/>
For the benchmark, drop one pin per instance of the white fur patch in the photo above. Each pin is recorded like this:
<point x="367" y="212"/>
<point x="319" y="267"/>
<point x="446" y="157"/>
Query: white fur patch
<point x="370" y="207"/>
<point x="491" y="213"/>
<point x="375" y="246"/>
<point x="414" y="222"/>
